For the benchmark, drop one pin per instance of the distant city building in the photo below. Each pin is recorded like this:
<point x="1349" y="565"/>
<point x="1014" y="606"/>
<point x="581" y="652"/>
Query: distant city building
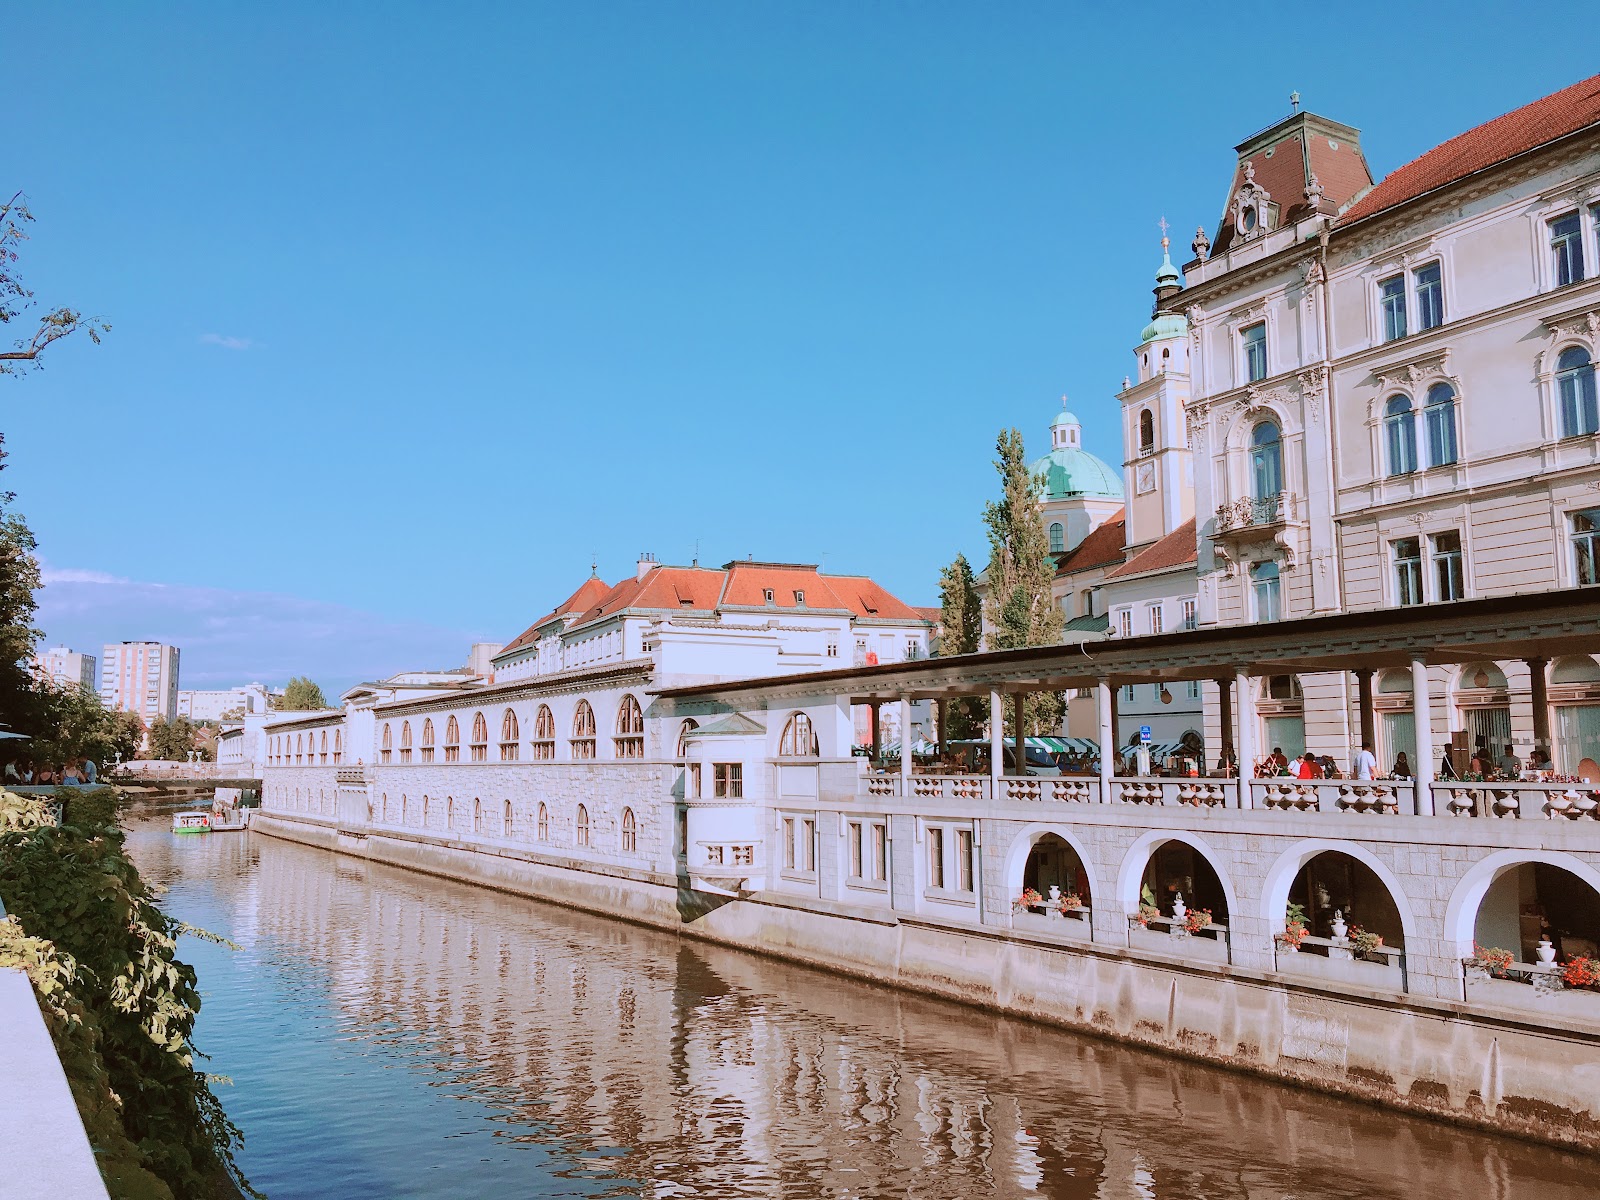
<point x="230" y="702"/>
<point x="66" y="667"/>
<point x="480" y="659"/>
<point x="140" y="677"/>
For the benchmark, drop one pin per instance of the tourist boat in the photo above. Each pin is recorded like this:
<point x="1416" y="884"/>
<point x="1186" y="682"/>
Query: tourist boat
<point x="191" y="822"/>
<point x="232" y="821"/>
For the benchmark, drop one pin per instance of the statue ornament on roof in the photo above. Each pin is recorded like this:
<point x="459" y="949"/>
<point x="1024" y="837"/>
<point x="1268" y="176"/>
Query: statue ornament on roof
<point x="1201" y="244"/>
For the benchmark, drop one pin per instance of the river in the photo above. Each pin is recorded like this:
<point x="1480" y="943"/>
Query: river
<point x="393" y="1035"/>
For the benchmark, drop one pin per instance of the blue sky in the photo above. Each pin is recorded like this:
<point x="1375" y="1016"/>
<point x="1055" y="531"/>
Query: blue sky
<point x="417" y="308"/>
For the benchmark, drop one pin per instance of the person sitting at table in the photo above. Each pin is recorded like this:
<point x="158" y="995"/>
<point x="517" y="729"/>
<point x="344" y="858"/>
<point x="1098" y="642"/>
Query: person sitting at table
<point x="1402" y="766"/>
<point x="1538" y="760"/>
<point x="1510" y="765"/>
<point x="1310" y="768"/>
<point x="1278" y="760"/>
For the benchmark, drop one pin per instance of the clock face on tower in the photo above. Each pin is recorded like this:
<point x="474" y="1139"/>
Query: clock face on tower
<point x="1144" y="479"/>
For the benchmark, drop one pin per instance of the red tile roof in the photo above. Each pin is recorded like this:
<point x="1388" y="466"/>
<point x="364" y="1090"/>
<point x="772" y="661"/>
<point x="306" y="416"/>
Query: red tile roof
<point x="1101" y="548"/>
<point x="1567" y="111"/>
<point x="1285" y="156"/>
<point x="590" y="590"/>
<point x="931" y="615"/>
<point x="1175" y="550"/>
<point x="739" y="584"/>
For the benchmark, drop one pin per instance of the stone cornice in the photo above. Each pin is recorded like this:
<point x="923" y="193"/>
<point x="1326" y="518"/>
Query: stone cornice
<point x="635" y="669"/>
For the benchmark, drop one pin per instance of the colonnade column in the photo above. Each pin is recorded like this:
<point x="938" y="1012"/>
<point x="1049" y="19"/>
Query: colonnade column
<point x="1422" y="717"/>
<point x="1369" y="731"/>
<point x="905" y="747"/>
<point x="997" y="744"/>
<point x="1539" y="678"/>
<point x="1225" y="715"/>
<point x="944" y="738"/>
<point x="877" y="731"/>
<point x="1116" y="724"/>
<point x="1108" y="737"/>
<point x="1247" y="736"/>
<point x="1018" y="705"/>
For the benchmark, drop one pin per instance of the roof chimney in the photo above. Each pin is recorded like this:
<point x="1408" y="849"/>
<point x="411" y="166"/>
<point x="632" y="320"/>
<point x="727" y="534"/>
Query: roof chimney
<point x="647" y="563"/>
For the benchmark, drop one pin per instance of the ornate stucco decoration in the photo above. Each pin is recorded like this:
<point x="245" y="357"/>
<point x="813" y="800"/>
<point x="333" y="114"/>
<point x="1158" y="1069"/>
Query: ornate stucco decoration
<point x="1201" y="244"/>
<point x="1251" y="208"/>
<point x="1411" y="372"/>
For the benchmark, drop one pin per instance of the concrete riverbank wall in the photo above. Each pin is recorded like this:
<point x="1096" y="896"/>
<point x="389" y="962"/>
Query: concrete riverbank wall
<point x="1538" y="1078"/>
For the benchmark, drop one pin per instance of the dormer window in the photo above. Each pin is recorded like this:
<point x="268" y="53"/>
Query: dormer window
<point x="799" y="596"/>
<point x="769" y="595"/>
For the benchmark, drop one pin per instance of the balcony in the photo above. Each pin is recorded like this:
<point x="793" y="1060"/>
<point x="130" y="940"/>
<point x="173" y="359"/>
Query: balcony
<point x="1253" y="514"/>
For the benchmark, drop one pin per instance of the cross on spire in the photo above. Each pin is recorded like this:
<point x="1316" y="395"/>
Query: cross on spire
<point x="1163" y="224"/>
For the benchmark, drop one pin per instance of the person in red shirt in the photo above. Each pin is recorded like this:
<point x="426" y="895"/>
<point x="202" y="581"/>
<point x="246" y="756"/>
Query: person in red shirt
<point x="1310" y="768"/>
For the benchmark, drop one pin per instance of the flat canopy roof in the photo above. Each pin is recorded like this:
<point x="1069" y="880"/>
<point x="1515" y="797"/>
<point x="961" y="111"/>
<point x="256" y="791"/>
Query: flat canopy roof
<point x="1538" y="625"/>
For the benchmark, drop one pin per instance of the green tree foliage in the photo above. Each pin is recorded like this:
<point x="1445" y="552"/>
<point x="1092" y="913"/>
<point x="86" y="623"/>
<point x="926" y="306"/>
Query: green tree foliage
<point x="1020" y="610"/>
<point x="960" y="632"/>
<point x="174" y="739"/>
<point x="19" y="579"/>
<point x="301" y="695"/>
<point x="16" y="299"/>
<point x="119" y="1002"/>
<point x="73" y="724"/>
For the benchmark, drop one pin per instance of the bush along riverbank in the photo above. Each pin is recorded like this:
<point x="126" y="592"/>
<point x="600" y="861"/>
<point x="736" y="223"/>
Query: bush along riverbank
<point x="119" y="1004"/>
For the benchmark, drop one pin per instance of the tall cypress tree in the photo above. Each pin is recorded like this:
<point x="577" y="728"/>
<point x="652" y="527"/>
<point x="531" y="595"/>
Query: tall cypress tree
<point x="960" y="632"/>
<point x="1020" y="610"/>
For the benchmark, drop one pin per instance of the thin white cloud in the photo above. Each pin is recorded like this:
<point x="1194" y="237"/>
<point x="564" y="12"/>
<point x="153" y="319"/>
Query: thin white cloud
<point x="233" y="637"/>
<point x="226" y="341"/>
<point x="72" y="575"/>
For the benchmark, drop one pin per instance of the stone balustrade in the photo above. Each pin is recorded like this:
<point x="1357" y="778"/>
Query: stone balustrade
<point x="1538" y="801"/>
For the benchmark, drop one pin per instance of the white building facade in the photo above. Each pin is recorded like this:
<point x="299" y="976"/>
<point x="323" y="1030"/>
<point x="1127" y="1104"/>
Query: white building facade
<point x="140" y="677"/>
<point x="66" y="668"/>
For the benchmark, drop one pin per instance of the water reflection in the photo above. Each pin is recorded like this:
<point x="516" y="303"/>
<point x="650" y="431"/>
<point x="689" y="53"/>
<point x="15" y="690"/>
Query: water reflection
<point x="395" y="1035"/>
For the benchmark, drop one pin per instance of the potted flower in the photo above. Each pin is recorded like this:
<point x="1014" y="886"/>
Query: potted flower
<point x="1196" y="919"/>
<point x="1294" y="927"/>
<point x="1028" y="900"/>
<point x="1148" y="909"/>
<point x="1362" y="942"/>
<point x="1490" y="960"/>
<point x="1580" y="971"/>
<point x="1069" y="902"/>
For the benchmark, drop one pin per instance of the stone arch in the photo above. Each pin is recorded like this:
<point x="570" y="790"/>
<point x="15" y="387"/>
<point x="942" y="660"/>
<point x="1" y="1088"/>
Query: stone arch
<point x="1461" y="914"/>
<point x="1282" y="874"/>
<point x="1131" y="874"/>
<point x="1022" y="845"/>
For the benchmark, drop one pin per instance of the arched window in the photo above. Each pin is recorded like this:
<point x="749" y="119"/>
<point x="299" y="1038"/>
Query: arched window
<point x="689" y="726"/>
<point x="1266" y="460"/>
<point x="1058" y="538"/>
<point x="799" y="740"/>
<point x="338" y="746"/>
<point x="480" y="738"/>
<point x="1575" y="385"/>
<point x="1147" y="432"/>
<point x="427" y="740"/>
<point x="583" y="825"/>
<point x="405" y="809"/>
<point x="630" y="832"/>
<point x="510" y="733"/>
<point x="544" y="823"/>
<point x="477" y="815"/>
<point x="630" y="729"/>
<point x="405" y="741"/>
<point x="583" y="731"/>
<point x="322" y="752"/>
<point x="385" y="808"/>
<point x="1400" y="435"/>
<point x="544" y="734"/>
<point x="508" y="823"/>
<point x="299" y="748"/>
<point x="452" y="740"/>
<point x="450" y="814"/>
<point x="1440" y="415"/>
<point x="1264" y="587"/>
<point x="427" y="811"/>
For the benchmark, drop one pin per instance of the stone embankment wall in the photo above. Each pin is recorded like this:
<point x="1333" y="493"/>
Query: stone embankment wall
<point x="1417" y="1053"/>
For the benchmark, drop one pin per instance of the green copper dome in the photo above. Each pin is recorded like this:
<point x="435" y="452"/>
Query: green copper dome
<point x="1071" y="472"/>
<point x="1065" y="418"/>
<point x="1165" y="325"/>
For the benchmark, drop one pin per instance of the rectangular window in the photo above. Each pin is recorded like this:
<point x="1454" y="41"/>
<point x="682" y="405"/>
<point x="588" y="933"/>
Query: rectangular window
<point x="1125" y="622"/>
<point x="788" y="843"/>
<point x="1255" y="351"/>
<point x="1194" y="689"/>
<point x="856" y="849"/>
<point x="1392" y="298"/>
<point x="935" y="857"/>
<point x="1447" y="573"/>
<point x="1191" y="614"/>
<point x="692" y="792"/>
<point x="1430" y="296"/>
<point x="1586" y="546"/>
<point x="1127" y="693"/>
<point x="1566" y="248"/>
<point x="1155" y="618"/>
<point x="880" y="852"/>
<point x="728" y="780"/>
<point x="964" y="860"/>
<point x="1407" y="571"/>
<point x="1264" y="588"/>
<point x="808" y="850"/>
